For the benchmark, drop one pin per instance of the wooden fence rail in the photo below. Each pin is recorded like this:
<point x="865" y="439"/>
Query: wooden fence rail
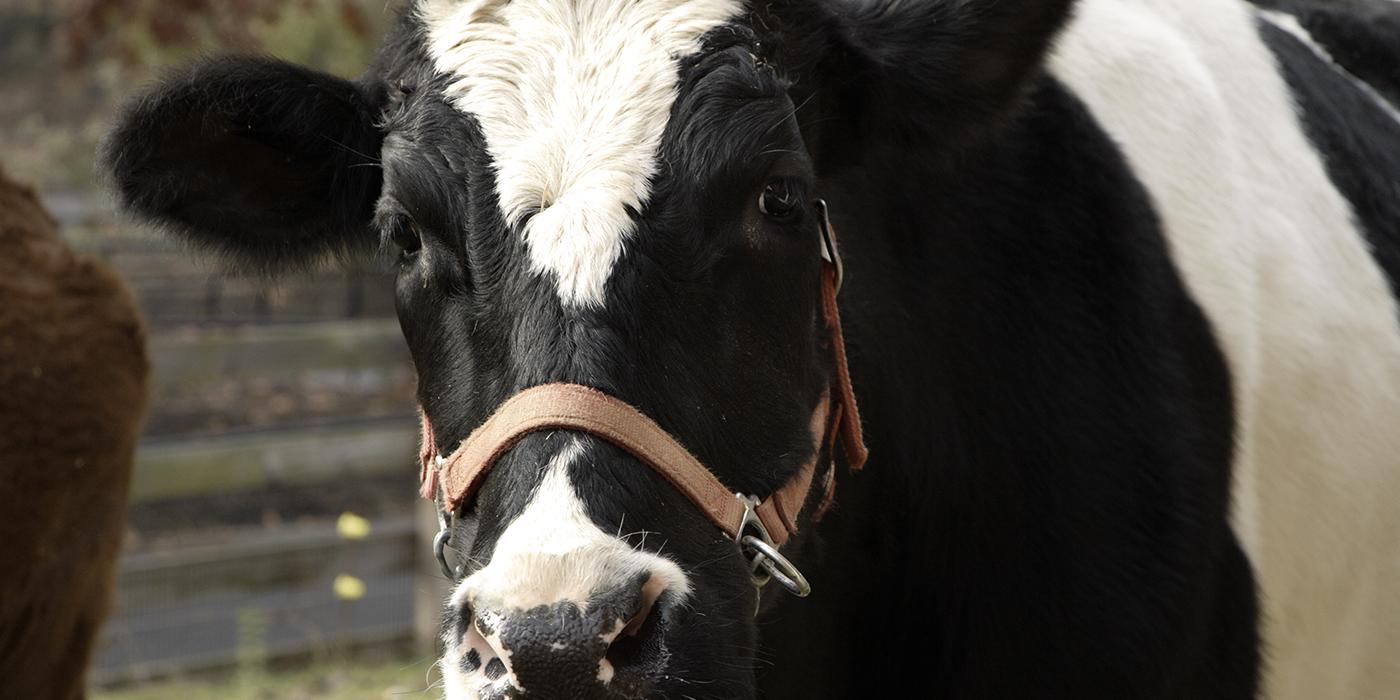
<point x="262" y="597"/>
<point x="258" y="459"/>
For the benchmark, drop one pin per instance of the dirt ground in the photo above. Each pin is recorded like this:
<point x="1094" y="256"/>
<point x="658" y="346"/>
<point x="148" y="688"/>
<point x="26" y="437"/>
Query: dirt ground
<point x="391" y="679"/>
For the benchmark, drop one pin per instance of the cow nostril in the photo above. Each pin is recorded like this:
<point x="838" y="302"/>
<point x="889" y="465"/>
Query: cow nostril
<point x="643" y="614"/>
<point x="485" y="630"/>
<point x="479" y="644"/>
<point x="638" y="654"/>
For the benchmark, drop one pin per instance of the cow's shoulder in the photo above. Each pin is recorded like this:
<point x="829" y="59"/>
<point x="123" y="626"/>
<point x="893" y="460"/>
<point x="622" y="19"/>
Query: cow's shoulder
<point x="1361" y="36"/>
<point x="1262" y="166"/>
<point x="1345" y="104"/>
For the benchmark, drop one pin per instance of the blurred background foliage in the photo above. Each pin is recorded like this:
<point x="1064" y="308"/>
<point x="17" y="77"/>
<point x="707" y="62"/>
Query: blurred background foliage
<point x="333" y="34"/>
<point x="66" y="65"/>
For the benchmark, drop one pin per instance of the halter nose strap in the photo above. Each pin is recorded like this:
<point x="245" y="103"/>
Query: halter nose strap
<point x="576" y="407"/>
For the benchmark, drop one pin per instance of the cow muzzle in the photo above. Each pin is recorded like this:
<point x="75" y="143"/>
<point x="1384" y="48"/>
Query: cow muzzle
<point x="563" y="609"/>
<point x="610" y="645"/>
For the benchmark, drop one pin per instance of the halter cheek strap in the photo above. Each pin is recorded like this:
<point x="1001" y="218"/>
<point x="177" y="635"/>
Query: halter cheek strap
<point x="573" y="407"/>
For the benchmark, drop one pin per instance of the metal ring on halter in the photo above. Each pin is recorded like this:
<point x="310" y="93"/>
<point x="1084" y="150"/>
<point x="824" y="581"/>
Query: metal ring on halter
<point x="766" y="562"/>
<point x="440" y="547"/>
<point x="752" y="521"/>
<point x="778" y="566"/>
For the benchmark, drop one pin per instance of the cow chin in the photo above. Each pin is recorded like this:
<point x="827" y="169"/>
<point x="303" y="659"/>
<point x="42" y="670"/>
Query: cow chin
<point x="563" y="610"/>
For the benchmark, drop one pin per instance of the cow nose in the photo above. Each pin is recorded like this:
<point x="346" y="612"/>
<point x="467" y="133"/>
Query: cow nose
<point x="610" y="644"/>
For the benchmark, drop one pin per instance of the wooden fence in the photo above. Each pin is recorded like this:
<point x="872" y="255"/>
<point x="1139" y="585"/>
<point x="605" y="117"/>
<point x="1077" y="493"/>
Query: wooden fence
<point x="260" y="597"/>
<point x="265" y="398"/>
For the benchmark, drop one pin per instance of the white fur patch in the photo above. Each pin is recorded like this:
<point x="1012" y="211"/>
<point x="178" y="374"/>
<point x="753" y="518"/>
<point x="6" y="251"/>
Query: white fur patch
<point x="1270" y="249"/>
<point x="551" y="552"/>
<point x="573" y="97"/>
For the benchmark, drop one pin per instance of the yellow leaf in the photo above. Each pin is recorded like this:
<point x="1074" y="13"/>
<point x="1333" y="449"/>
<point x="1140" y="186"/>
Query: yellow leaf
<point x="352" y="527"/>
<point x="348" y="587"/>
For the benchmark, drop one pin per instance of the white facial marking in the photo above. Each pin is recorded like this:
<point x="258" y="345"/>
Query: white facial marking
<point x="572" y="97"/>
<point x="1270" y="249"/>
<point x="551" y="552"/>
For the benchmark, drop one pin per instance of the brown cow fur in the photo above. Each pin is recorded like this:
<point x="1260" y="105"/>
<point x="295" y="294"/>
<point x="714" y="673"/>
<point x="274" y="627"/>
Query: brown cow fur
<point x="72" y="393"/>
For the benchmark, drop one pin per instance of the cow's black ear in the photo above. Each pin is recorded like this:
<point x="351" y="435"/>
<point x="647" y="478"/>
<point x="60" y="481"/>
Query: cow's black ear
<point x="946" y="65"/>
<point x="271" y="164"/>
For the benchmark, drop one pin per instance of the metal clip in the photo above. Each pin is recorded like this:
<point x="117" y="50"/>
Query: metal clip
<point x="766" y="562"/>
<point x="829" y="251"/>
<point x="446" y="521"/>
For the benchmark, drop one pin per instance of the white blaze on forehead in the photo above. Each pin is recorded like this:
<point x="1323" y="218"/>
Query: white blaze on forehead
<point x="572" y="97"/>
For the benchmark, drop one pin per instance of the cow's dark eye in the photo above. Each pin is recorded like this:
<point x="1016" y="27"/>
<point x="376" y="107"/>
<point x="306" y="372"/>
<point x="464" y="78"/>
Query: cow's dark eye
<point x="406" y="238"/>
<point x="778" y="199"/>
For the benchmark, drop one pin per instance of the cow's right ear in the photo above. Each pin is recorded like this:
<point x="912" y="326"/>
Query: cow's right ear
<point x="271" y="164"/>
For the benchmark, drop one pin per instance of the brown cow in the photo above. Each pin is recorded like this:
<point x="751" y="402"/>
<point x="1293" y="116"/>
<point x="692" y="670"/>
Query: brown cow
<point x="72" y="393"/>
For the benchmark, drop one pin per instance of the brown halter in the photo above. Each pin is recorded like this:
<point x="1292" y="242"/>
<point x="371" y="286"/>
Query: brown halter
<point x="574" y="407"/>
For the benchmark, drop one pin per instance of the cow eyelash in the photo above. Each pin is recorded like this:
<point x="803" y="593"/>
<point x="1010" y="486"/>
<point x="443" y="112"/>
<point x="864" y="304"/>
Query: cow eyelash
<point x="403" y="234"/>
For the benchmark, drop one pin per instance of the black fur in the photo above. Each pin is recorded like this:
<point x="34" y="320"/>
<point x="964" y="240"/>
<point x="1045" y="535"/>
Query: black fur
<point x="1050" y="416"/>
<point x="1362" y="36"/>
<point x="1059" y="405"/>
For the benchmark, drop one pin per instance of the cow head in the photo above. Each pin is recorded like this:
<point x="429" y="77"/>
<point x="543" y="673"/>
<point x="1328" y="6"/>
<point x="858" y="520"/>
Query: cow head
<point x="608" y="193"/>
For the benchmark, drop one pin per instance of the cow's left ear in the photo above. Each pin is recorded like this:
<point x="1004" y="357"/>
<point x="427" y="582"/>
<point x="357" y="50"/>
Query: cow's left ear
<point x="271" y="164"/>
<point x="938" y="67"/>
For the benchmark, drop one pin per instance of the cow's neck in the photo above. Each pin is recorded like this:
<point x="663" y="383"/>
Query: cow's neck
<point x="952" y="262"/>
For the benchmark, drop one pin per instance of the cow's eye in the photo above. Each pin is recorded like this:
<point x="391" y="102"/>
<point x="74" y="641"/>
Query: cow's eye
<point x="406" y="238"/>
<point x="778" y="198"/>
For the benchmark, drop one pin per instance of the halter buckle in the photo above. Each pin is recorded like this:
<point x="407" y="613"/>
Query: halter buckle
<point x="830" y="253"/>
<point x="765" y="561"/>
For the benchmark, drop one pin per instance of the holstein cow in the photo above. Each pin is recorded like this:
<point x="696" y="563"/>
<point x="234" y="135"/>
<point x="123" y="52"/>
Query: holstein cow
<point x="72" y="394"/>
<point x="1119" y="300"/>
